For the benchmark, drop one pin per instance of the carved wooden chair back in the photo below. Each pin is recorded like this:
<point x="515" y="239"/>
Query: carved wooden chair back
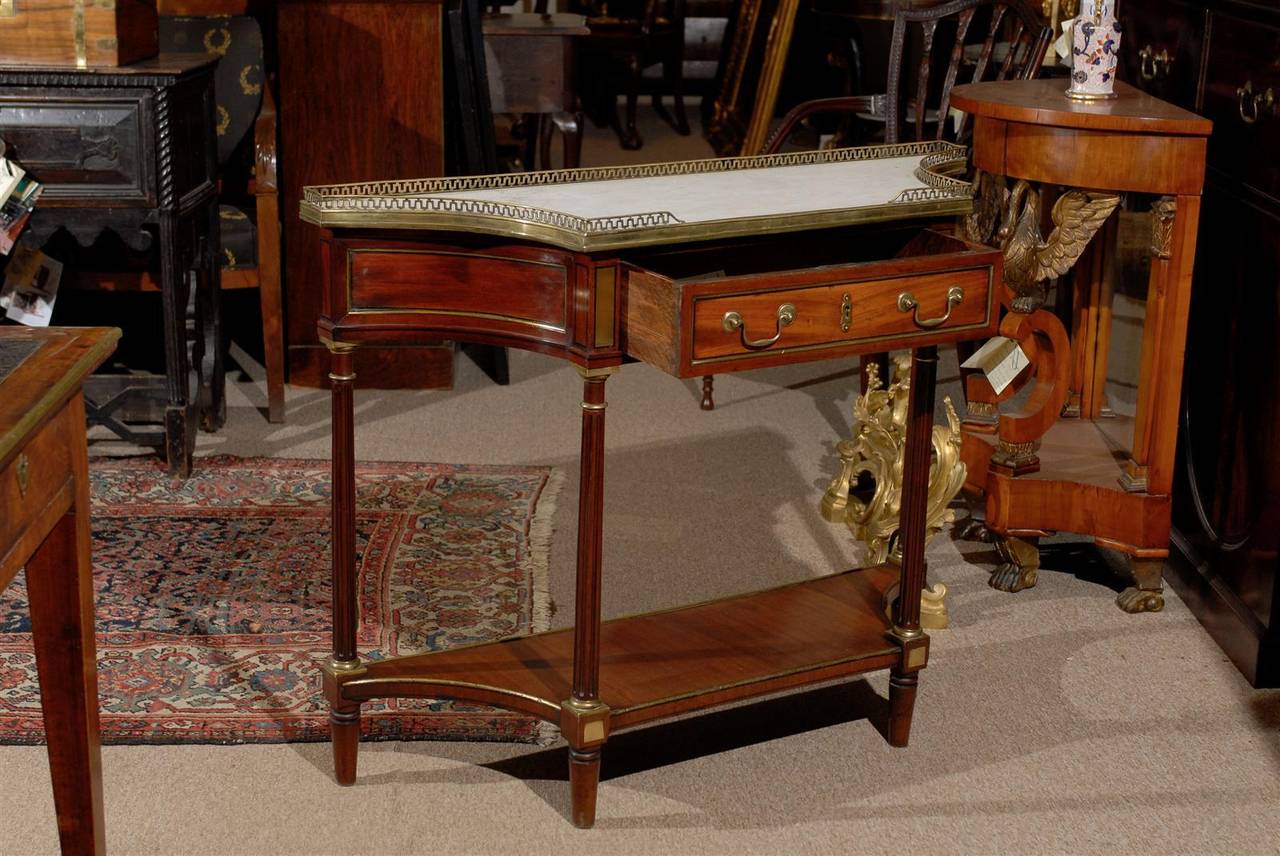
<point x="1024" y="50"/>
<point x="1012" y="47"/>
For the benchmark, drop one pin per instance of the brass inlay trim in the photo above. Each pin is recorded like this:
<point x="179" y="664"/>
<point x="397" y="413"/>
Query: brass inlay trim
<point x="78" y="30"/>
<point x="606" y="291"/>
<point x="344" y="666"/>
<point x="61" y="390"/>
<point x="339" y="347"/>
<point x="917" y="657"/>
<point x="601" y="407"/>
<point x="373" y="682"/>
<point x="905" y="634"/>
<point x="342" y="377"/>
<point x="587" y="374"/>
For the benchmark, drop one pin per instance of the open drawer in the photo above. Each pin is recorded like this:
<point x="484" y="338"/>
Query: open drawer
<point x="690" y="315"/>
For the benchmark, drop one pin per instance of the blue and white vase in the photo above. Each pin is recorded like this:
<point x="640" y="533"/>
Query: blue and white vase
<point x="1095" y="39"/>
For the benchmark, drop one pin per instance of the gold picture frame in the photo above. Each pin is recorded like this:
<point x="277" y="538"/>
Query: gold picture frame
<point x="753" y="66"/>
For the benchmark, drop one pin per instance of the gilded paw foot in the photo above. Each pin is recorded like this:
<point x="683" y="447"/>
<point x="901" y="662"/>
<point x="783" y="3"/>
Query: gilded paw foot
<point x="1140" y="600"/>
<point x="1010" y="577"/>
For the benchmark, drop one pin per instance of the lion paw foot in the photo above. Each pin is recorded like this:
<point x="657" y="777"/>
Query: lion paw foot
<point x="1011" y="577"/>
<point x="1140" y="600"/>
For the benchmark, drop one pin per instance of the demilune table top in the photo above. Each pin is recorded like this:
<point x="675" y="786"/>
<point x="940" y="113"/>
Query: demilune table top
<point x="612" y="207"/>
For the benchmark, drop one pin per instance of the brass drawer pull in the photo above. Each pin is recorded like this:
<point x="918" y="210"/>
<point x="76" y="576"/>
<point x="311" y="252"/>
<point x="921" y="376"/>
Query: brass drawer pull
<point x="733" y="321"/>
<point x="846" y="312"/>
<point x="1253" y="105"/>
<point x="1152" y="64"/>
<point x="908" y="303"/>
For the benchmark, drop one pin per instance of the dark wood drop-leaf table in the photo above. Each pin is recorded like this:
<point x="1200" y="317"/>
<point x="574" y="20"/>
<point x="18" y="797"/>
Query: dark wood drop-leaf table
<point x="694" y="268"/>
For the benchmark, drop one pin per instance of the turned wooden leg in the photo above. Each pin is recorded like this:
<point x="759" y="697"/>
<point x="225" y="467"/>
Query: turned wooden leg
<point x="584" y="780"/>
<point x="584" y="719"/>
<point x="344" y="718"/>
<point x="1021" y="566"/>
<point x="902" y="703"/>
<point x="1147" y="593"/>
<point x="904" y="677"/>
<point x="708" y="392"/>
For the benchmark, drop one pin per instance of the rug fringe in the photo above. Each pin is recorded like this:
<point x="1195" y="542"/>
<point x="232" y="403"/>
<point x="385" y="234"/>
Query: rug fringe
<point x="540" y="532"/>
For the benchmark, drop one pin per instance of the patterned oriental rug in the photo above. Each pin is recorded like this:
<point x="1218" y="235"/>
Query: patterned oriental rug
<point x="213" y="596"/>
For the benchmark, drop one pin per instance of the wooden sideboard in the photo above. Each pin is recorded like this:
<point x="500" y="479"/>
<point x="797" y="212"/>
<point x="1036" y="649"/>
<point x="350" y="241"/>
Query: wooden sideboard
<point x="1221" y="59"/>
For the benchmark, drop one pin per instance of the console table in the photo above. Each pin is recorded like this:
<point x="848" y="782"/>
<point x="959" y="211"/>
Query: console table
<point x="122" y="149"/>
<point x="1100" y="474"/>
<point x="724" y="265"/>
<point x="44" y="491"/>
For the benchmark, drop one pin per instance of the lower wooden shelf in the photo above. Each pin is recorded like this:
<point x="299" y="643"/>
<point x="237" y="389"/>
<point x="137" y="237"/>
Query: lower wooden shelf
<point x="663" y="663"/>
<point x="1078" y="488"/>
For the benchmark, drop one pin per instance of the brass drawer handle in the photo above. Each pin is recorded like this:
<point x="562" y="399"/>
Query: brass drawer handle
<point x="1253" y="105"/>
<point x="1152" y="64"/>
<point x="846" y="312"/>
<point x="733" y="321"/>
<point x="908" y="303"/>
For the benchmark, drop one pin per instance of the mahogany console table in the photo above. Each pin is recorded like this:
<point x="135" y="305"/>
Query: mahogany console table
<point x="1100" y="474"/>
<point x="727" y="265"/>
<point x="44" y="492"/>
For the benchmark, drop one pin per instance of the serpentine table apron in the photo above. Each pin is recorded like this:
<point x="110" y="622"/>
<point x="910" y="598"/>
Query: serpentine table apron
<point x="693" y="267"/>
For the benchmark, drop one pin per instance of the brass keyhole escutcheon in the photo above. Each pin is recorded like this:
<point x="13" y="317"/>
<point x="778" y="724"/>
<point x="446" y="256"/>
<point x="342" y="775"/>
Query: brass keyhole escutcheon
<point x="733" y="321"/>
<point x="24" y="473"/>
<point x="846" y="312"/>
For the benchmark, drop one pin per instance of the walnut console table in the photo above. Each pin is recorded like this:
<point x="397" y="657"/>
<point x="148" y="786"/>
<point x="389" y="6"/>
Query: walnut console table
<point x="723" y="265"/>
<point x="1099" y="474"/>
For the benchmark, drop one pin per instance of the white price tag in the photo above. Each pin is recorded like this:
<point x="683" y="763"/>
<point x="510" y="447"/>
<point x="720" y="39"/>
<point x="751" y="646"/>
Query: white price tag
<point x="1001" y="359"/>
<point x="10" y="175"/>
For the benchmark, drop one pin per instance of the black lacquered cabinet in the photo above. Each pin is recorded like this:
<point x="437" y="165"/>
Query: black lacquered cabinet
<point x="131" y="150"/>
<point x="1221" y="59"/>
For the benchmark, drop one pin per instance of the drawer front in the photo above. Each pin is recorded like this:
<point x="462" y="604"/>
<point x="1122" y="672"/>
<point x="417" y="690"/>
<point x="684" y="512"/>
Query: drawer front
<point x="1163" y="46"/>
<point x="84" y="148"/>
<point x="802" y="322"/>
<point x="33" y="477"/>
<point x="520" y="291"/>
<point x="1242" y="67"/>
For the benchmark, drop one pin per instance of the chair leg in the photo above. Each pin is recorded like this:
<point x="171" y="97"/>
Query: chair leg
<point x="271" y="302"/>
<point x="628" y="135"/>
<point x="673" y="74"/>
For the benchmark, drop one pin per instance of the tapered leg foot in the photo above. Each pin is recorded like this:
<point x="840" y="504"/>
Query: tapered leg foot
<point x="584" y="780"/>
<point x="344" y="730"/>
<point x="708" y="392"/>
<point x="902" y="703"/>
<point x="1021" y="566"/>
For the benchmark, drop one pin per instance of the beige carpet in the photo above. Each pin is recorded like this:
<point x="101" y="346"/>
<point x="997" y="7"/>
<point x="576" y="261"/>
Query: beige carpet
<point x="1047" y="721"/>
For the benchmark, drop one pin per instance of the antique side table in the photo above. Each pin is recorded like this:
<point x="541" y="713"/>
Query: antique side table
<point x="44" y="495"/>
<point x="690" y="267"/>
<point x="121" y="149"/>
<point x="1063" y="462"/>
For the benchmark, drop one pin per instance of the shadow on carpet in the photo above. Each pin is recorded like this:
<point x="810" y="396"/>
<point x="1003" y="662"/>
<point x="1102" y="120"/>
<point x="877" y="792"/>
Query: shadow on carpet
<point x="212" y="596"/>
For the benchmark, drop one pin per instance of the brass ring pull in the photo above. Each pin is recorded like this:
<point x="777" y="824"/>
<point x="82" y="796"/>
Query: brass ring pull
<point x="1253" y="104"/>
<point x="733" y="321"/>
<point x="908" y="303"/>
<point x="1152" y="64"/>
